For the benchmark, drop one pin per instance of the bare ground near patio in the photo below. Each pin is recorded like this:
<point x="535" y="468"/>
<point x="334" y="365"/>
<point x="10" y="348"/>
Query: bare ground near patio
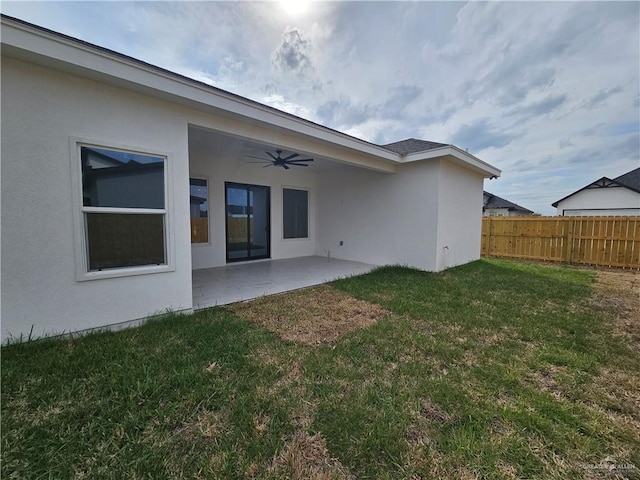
<point x="312" y="315"/>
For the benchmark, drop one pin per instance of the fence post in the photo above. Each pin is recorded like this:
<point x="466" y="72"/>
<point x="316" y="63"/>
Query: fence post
<point x="569" y="240"/>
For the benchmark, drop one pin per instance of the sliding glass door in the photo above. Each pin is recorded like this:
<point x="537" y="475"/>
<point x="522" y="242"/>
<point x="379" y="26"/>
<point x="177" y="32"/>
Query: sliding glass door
<point x="247" y="222"/>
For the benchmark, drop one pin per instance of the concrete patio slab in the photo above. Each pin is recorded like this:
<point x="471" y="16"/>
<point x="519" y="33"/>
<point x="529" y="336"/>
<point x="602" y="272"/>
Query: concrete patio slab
<point x="235" y="283"/>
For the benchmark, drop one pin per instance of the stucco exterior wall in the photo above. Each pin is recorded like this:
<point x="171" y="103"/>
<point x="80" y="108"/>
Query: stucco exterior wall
<point x="41" y="110"/>
<point x="380" y="218"/>
<point x="459" y="216"/>
<point x="223" y="167"/>
<point x="602" y="201"/>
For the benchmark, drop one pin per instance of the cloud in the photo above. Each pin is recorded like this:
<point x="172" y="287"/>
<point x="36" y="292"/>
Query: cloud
<point x="342" y="113"/>
<point x="480" y="134"/>
<point x="541" y="107"/>
<point x="279" y="102"/>
<point x="598" y="99"/>
<point x="292" y="55"/>
<point x="565" y="143"/>
<point x="398" y="99"/>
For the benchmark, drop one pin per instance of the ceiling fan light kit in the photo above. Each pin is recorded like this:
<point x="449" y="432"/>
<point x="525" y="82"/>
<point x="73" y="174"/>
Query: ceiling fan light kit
<point x="284" y="162"/>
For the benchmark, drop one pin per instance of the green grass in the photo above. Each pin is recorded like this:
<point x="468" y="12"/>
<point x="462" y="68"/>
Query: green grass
<point x="495" y="369"/>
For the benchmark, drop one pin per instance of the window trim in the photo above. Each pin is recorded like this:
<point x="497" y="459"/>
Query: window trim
<point x="82" y="272"/>
<point x="206" y="179"/>
<point x="297" y="239"/>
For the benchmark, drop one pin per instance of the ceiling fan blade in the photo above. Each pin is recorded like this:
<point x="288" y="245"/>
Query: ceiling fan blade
<point x="285" y="166"/>
<point x="273" y="156"/>
<point x="261" y="161"/>
<point x="259" y="158"/>
<point x="270" y="164"/>
<point x="301" y="160"/>
<point x="298" y="164"/>
<point x="293" y="155"/>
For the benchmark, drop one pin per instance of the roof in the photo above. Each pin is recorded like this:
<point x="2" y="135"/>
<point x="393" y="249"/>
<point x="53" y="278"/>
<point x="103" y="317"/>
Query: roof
<point x="494" y="201"/>
<point x="53" y="49"/>
<point x="629" y="180"/>
<point x="413" y="145"/>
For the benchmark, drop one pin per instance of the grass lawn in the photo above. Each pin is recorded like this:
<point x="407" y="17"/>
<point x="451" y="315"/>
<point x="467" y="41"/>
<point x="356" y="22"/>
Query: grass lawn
<point x="495" y="369"/>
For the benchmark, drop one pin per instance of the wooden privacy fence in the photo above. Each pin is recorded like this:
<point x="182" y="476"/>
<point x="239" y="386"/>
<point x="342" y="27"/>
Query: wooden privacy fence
<point x="199" y="229"/>
<point x="605" y="241"/>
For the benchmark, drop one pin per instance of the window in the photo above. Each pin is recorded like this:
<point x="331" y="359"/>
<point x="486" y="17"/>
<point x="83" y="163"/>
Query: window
<point x="295" y="213"/>
<point x="199" y="206"/>
<point x="123" y="208"/>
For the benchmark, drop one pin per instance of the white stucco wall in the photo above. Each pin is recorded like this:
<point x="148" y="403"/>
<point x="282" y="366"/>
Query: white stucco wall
<point x="41" y="110"/>
<point x="224" y="167"/>
<point x="459" y="216"/>
<point x="380" y="218"/>
<point x="602" y="201"/>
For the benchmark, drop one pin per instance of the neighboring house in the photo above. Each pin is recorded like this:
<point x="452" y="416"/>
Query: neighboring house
<point x="618" y="196"/>
<point x="103" y="154"/>
<point x="495" y="206"/>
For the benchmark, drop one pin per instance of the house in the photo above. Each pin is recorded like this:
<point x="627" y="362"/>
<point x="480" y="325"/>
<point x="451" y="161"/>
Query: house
<point x="102" y="156"/>
<point x="495" y="206"/>
<point x="605" y="196"/>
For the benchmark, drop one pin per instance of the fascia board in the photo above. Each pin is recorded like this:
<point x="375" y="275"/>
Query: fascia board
<point x="453" y="153"/>
<point x="52" y="49"/>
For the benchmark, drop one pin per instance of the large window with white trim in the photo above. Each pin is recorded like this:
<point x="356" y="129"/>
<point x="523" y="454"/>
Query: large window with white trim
<point x="123" y="208"/>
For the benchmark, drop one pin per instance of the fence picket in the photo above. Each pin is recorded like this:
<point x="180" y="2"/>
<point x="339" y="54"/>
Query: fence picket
<point x="604" y="241"/>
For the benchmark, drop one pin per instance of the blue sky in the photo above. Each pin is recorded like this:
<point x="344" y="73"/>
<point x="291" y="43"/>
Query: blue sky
<point x="546" y="91"/>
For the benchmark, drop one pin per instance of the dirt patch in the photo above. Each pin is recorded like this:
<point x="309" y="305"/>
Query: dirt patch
<point x="549" y="380"/>
<point x="306" y="457"/>
<point x="432" y="412"/>
<point x="617" y="294"/>
<point x="311" y="316"/>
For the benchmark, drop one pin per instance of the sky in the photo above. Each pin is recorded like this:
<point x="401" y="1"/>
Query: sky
<point x="548" y="92"/>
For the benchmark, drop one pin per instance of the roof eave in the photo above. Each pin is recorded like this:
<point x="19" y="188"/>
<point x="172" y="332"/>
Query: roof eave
<point x="457" y="155"/>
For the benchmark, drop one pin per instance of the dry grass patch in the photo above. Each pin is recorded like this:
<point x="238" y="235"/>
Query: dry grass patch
<point x="549" y="380"/>
<point x="617" y="293"/>
<point x="306" y="457"/>
<point x="311" y="316"/>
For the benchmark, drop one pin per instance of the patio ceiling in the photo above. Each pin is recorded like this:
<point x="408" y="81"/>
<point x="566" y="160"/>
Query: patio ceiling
<point x="203" y="141"/>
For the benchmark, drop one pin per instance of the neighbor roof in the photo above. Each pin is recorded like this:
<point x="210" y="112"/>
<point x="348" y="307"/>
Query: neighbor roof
<point x="494" y="201"/>
<point x="413" y="145"/>
<point x="629" y="180"/>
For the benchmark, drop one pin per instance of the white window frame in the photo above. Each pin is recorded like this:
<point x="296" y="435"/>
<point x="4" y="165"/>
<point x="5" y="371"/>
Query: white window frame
<point x="206" y="179"/>
<point x="298" y="239"/>
<point x="79" y="210"/>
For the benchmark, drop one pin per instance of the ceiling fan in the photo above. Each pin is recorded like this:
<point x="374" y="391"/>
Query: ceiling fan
<point x="284" y="162"/>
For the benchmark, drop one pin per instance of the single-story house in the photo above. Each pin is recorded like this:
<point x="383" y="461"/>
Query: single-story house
<point x="106" y="160"/>
<point x="605" y="196"/>
<point x="495" y="206"/>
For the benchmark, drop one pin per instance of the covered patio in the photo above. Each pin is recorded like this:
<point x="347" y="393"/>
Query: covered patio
<point x="238" y="282"/>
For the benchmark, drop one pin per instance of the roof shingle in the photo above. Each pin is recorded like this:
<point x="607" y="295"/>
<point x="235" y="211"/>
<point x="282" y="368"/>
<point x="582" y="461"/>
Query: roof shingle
<point x="494" y="201"/>
<point x="412" y="145"/>
<point x="630" y="179"/>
